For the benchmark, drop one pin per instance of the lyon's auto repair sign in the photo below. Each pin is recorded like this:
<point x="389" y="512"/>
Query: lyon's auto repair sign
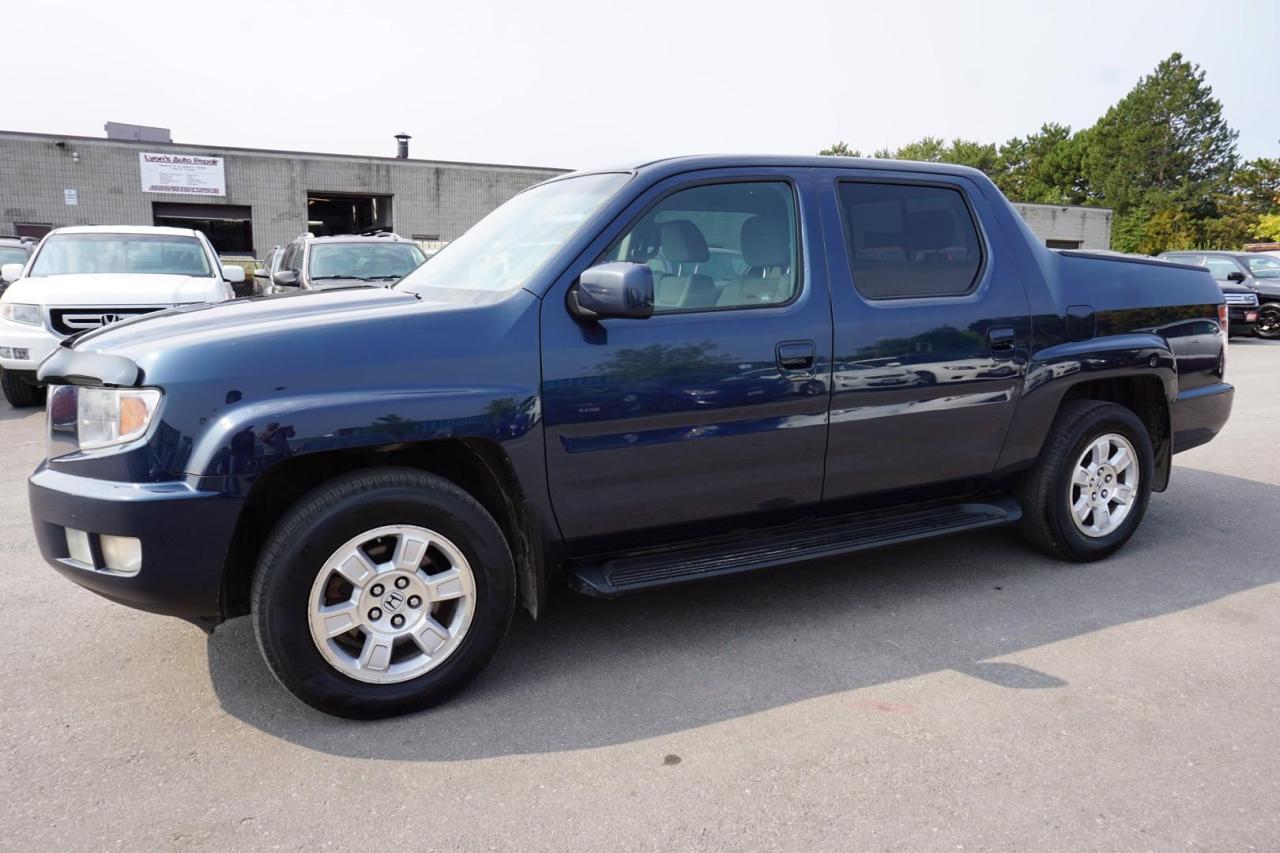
<point x="184" y="174"/>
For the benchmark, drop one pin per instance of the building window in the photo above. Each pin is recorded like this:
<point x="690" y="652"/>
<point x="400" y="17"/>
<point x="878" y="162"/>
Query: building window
<point x="229" y="227"/>
<point x="345" y="213"/>
<point x="1063" y="244"/>
<point x="31" y="229"/>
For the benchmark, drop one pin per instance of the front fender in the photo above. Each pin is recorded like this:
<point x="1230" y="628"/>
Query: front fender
<point x="1054" y="371"/>
<point x="250" y="438"/>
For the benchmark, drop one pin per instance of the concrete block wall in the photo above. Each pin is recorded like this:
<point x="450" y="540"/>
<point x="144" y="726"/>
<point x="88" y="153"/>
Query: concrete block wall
<point x="428" y="197"/>
<point x="1090" y="225"/>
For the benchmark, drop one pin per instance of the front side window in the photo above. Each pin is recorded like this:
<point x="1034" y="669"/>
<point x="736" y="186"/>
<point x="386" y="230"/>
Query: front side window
<point x="362" y="261"/>
<point x="132" y="254"/>
<point x="909" y="240"/>
<point x="502" y="251"/>
<point x="726" y="245"/>
<point x="1220" y="268"/>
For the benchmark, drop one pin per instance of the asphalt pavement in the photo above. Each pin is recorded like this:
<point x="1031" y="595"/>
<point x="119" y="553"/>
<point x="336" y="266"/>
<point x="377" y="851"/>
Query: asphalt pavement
<point x="962" y="694"/>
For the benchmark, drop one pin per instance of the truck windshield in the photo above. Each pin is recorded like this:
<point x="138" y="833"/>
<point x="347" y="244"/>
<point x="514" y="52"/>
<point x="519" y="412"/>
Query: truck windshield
<point x="1265" y="267"/>
<point x="366" y="261"/>
<point x="133" y="254"/>
<point x="501" y="251"/>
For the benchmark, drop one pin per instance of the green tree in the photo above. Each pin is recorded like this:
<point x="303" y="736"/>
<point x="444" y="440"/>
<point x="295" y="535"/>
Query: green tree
<point x="1268" y="227"/>
<point x="1043" y="167"/>
<point x="840" y="149"/>
<point x="1164" y="146"/>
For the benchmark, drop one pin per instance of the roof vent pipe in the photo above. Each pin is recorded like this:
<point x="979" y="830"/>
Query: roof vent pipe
<point x="402" y="145"/>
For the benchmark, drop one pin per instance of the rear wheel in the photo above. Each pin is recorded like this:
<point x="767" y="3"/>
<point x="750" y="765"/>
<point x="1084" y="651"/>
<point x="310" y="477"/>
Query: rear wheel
<point x="1268" y="325"/>
<point x="19" y="392"/>
<point x="382" y="593"/>
<point x="1091" y="485"/>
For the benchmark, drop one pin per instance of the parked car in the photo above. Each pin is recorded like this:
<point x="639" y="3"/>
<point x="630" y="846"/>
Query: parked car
<point x="269" y="267"/>
<point x="317" y="263"/>
<point x="380" y="476"/>
<point x="14" y="251"/>
<point x="1258" y="274"/>
<point x="89" y="276"/>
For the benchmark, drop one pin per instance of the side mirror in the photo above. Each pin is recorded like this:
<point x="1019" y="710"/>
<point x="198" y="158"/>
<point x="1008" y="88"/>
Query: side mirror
<point x="618" y="289"/>
<point x="285" y="278"/>
<point x="10" y="273"/>
<point x="233" y="274"/>
<point x="1236" y="276"/>
<point x="261" y="273"/>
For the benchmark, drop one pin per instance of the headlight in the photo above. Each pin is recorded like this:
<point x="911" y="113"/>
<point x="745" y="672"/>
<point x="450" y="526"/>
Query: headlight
<point x="102" y="417"/>
<point x="18" y="313"/>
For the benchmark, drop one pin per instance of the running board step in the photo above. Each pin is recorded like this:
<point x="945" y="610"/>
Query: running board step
<point x="789" y="545"/>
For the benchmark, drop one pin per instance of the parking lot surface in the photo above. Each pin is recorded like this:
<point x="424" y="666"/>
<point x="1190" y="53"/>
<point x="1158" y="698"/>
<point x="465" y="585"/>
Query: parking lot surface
<point x="960" y="694"/>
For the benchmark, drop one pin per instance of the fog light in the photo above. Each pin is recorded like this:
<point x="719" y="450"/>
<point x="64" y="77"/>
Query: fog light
<point x="122" y="554"/>
<point x="78" y="547"/>
<point x="22" y="353"/>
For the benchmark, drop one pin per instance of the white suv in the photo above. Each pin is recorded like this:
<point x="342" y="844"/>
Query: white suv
<point x="88" y="276"/>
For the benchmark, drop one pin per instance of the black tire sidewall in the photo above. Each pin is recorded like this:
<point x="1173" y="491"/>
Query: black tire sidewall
<point x="1257" y="330"/>
<point x="1109" y="420"/>
<point x="281" y="618"/>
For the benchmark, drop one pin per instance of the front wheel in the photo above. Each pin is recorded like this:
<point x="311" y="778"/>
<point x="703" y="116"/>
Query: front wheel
<point x="19" y="392"/>
<point x="1268" y="325"/>
<point x="1091" y="485"/>
<point x="381" y="593"/>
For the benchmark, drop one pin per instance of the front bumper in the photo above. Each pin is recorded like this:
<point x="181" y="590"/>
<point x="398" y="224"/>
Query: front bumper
<point x="1198" y="414"/>
<point x="184" y="533"/>
<point x="1241" y="319"/>
<point x="36" y="340"/>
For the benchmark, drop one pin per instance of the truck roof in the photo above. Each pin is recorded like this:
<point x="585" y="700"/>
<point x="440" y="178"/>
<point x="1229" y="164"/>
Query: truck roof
<point x="125" y="229"/>
<point x="675" y="165"/>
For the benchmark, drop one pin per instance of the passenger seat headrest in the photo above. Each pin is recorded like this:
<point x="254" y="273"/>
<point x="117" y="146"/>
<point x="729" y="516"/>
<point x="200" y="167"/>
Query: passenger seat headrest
<point x="765" y="242"/>
<point x="928" y="230"/>
<point x="683" y="243"/>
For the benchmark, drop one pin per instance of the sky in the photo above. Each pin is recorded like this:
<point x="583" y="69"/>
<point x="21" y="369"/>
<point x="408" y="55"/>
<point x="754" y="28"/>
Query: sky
<point x="579" y="84"/>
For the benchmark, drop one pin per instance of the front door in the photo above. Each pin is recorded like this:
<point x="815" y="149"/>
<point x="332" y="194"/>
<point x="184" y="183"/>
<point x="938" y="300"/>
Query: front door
<point x="931" y="332"/>
<point x="714" y="407"/>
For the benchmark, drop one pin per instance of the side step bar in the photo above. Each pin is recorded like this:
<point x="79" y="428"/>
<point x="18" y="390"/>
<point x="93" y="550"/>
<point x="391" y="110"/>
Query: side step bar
<point x="764" y="549"/>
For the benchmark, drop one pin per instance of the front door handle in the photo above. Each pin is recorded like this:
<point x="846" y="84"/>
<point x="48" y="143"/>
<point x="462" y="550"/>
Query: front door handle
<point x="796" y="358"/>
<point x="1000" y="339"/>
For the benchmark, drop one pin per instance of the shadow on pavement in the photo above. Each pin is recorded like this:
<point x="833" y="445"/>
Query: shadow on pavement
<point x="595" y="673"/>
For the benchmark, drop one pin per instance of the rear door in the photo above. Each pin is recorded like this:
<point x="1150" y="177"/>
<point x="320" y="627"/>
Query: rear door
<point x="715" y="407"/>
<point x="931" y="335"/>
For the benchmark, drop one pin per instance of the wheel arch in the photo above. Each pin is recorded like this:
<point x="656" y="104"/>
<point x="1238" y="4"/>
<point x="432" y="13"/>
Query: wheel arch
<point x="1145" y="396"/>
<point x="478" y="466"/>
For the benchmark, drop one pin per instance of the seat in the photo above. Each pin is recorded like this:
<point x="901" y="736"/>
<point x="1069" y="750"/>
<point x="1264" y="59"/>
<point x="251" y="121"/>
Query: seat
<point x="684" y="246"/>
<point x="766" y="249"/>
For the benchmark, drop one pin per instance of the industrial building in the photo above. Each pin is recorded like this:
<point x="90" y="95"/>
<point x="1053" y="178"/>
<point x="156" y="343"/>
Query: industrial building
<point x="1065" y="226"/>
<point x="247" y="200"/>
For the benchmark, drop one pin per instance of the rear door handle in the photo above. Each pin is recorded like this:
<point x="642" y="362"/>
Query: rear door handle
<point x="1000" y="340"/>
<point x="796" y="357"/>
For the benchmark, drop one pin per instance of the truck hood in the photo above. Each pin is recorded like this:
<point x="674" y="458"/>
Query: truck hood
<point x="115" y="290"/>
<point x="229" y="323"/>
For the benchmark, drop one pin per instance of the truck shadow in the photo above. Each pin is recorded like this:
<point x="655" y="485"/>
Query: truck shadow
<point x="595" y="673"/>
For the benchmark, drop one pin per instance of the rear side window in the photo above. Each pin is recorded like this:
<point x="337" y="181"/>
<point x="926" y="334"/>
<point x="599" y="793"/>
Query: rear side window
<point x="717" y="246"/>
<point x="908" y="240"/>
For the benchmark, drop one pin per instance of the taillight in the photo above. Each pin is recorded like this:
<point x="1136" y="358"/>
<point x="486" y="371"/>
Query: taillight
<point x="1223" y="320"/>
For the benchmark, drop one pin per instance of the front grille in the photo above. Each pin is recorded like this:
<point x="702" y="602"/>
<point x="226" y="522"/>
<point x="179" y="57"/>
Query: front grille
<point x="69" y="321"/>
<point x="1249" y="299"/>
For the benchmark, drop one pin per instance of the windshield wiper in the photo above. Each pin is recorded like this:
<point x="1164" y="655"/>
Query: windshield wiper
<point x="344" y="277"/>
<point x="383" y="277"/>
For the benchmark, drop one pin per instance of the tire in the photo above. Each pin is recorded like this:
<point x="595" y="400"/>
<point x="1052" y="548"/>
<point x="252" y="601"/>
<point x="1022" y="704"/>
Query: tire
<point x="1046" y="492"/>
<point x="288" y="591"/>
<point x="19" y="392"/>
<point x="1268" y="325"/>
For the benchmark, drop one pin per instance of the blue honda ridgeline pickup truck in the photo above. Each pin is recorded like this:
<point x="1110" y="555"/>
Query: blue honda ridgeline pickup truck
<point x="619" y="380"/>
